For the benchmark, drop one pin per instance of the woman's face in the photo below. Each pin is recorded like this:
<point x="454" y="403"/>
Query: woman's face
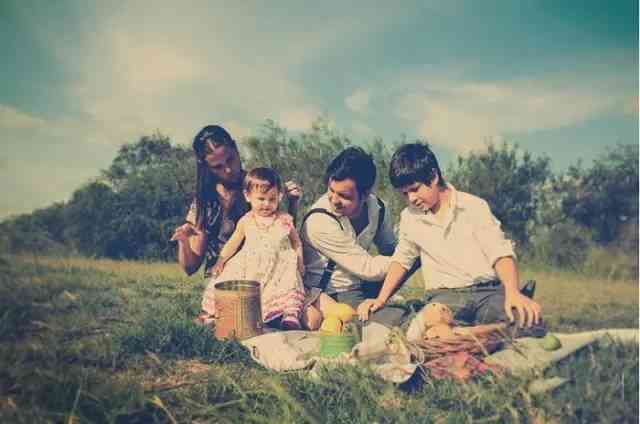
<point x="344" y="197"/>
<point x="225" y="164"/>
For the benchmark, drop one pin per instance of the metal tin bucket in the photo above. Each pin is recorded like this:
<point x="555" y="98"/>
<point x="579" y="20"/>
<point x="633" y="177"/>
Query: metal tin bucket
<point x="238" y="311"/>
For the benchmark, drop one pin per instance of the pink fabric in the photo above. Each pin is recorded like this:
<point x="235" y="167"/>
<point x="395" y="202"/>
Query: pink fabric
<point x="460" y="366"/>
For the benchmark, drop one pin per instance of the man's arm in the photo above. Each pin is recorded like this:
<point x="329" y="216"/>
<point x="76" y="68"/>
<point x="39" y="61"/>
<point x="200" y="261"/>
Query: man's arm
<point x="405" y="262"/>
<point x="324" y="234"/>
<point x="385" y="239"/>
<point x="499" y="250"/>
<point x="294" y="194"/>
<point x="528" y="309"/>
<point x="296" y="243"/>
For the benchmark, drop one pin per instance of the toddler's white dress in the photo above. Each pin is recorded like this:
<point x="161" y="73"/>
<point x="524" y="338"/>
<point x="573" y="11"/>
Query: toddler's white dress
<point x="268" y="258"/>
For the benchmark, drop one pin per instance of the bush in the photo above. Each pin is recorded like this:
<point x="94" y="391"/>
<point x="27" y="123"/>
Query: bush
<point x="612" y="263"/>
<point x="564" y="245"/>
<point x="570" y="246"/>
<point x="604" y="197"/>
<point x="511" y="180"/>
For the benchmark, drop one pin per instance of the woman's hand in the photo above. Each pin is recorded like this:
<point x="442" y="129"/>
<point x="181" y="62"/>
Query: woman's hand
<point x="294" y="193"/>
<point x="185" y="231"/>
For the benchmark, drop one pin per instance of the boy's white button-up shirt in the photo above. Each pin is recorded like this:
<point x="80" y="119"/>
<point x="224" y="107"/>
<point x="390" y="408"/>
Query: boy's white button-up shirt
<point x="458" y="252"/>
<point x="323" y="239"/>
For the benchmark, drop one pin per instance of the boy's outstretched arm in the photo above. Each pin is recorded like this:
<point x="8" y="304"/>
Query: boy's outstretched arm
<point x="394" y="277"/>
<point x="528" y="309"/>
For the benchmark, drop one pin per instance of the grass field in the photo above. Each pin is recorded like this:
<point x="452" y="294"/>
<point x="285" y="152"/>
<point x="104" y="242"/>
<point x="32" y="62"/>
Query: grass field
<point x="106" y="341"/>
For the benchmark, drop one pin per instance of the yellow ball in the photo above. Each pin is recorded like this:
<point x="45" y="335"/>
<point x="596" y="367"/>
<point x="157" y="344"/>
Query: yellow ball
<point x="342" y="311"/>
<point x="331" y="326"/>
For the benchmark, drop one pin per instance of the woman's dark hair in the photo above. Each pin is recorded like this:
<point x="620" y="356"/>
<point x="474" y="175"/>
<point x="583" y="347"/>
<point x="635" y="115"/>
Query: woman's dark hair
<point x="354" y="163"/>
<point x="204" y="142"/>
<point x="263" y="179"/>
<point x="412" y="163"/>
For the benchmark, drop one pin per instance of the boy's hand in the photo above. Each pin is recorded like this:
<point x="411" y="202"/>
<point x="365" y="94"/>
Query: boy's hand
<point x="368" y="305"/>
<point x="528" y="310"/>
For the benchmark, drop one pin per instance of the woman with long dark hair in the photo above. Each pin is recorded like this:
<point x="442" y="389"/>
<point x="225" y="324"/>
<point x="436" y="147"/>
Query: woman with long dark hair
<point x="218" y="203"/>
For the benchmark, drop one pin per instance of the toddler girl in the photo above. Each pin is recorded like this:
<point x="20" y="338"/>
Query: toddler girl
<point x="271" y="254"/>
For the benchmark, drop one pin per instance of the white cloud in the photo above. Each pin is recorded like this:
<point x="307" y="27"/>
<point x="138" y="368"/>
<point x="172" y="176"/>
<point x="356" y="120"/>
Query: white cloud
<point x="13" y="119"/>
<point x="237" y="130"/>
<point x="176" y="69"/>
<point x="148" y="67"/>
<point x="136" y="83"/>
<point x="463" y="115"/>
<point x="298" y="119"/>
<point x="361" y="129"/>
<point x="358" y="101"/>
<point x="631" y="106"/>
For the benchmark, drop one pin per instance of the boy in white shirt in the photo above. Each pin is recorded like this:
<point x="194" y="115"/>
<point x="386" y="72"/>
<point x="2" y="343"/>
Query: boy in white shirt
<point x="467" y="262"/>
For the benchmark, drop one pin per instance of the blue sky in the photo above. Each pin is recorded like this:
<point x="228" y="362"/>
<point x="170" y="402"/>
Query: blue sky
<point x="558" y="77"/>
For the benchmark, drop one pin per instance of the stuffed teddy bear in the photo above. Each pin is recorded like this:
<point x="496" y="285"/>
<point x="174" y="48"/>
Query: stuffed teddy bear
<point x="438" y="320"/>
<point x="435" y="321"/>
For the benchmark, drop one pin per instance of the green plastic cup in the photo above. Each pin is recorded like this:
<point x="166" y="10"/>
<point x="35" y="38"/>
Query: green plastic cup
<point x="332" y="346"/>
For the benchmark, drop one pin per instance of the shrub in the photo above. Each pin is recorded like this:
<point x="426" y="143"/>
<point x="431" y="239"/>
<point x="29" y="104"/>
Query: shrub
<point x="612" y="263"/>
<point x="564" y="245"/>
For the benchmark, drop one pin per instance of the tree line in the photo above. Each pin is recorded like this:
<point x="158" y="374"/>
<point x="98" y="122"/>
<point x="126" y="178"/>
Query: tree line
<point x="585" y="218"/>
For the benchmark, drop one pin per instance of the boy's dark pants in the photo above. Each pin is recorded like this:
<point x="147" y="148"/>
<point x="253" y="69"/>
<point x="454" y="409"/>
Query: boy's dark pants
<point x="391" y="316"/>
<point x="481" y="304"/>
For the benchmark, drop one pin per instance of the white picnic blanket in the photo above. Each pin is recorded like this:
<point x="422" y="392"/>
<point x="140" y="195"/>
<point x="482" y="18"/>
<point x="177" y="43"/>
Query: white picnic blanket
<point x="297" y="350"/>
<point x="528" y="354"/>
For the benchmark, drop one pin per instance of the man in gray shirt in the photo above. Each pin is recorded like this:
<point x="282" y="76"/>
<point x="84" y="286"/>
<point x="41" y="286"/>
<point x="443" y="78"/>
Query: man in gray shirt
<point x="338" y="233"/>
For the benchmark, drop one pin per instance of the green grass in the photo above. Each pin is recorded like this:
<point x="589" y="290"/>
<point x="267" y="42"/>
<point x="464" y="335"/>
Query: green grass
<point x="106" y="341"/>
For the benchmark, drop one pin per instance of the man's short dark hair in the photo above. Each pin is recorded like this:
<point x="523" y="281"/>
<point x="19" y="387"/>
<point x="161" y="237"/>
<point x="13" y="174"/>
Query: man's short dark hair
<point x="413" y="163"/>
<point x="353" y="163"/>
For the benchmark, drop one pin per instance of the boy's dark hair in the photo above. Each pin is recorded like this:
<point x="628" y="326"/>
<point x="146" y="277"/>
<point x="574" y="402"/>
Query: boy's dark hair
<point x="413" y="163"/>
<point x="354" y="163"/>
<point x="263" y="179"/>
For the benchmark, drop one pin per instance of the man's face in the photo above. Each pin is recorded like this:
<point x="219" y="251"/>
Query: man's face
<point x="344" y="197"/>
<point x="423" y="196"/>
<point x="224" y="162"/>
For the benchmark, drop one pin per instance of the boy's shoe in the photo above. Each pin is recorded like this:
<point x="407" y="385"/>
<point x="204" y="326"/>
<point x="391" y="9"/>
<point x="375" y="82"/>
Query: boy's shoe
<point x="290" y="322"/>
<point x="529" y="289"/>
